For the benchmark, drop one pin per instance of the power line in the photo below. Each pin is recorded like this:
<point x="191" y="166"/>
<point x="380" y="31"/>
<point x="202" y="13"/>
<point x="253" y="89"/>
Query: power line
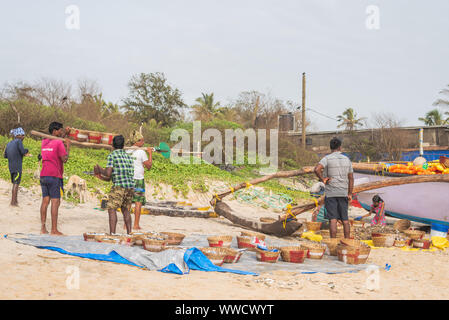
<point x="322" y="114"/>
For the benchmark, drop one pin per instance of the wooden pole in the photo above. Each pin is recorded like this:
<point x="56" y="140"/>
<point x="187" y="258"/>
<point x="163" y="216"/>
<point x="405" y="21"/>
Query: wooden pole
<point x="304" y="110"/>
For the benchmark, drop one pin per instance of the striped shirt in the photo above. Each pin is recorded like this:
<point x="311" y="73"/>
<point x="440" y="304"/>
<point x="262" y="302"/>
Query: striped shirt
<point x="123" y="168"/>
<point x="337" y="167"/>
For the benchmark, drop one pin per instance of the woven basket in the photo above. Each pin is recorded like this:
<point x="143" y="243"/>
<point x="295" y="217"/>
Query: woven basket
<point x="138" y="237"/>
<point x="400" y="243"/>
<point x="353" y="254"/>
<point x="94" y="137"/>
<point x="174" y="238"/>
<point x="154" y="234"/>
<point x="244" y="242"/>
<point x="110" y="240"/>
<point x="402" y="225"/>
<point x="99" y="236"/>
<point x="444" y="161"/>
<point x="351" y="242"/>
<point x="215" y="255"/>
<point x="356" y="223"/>
<point x="89" y="236"/>
<point x="293" y="254"/>
<point x="314" y="250"/>
<point x="154" y="245"/>
<point x="422" y="243"/>
<point x="383" y="240"/>
<point x="331" y="245"/>
<point x="268" y="256"/>
<point x="106" y="138"/>
<point x="313" y="225"/>
<point x="414" y="234"/>
<point x="267" y="220"/>
<point x="220" y="241"/>
<point x="127" y="239"/>
<point x="253" y="234"/>
<point x="231" y="255"/>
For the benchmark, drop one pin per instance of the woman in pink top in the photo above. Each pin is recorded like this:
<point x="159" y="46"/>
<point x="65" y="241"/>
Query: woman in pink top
<point x="378" y="207"/>
<point x="53" y="155"/>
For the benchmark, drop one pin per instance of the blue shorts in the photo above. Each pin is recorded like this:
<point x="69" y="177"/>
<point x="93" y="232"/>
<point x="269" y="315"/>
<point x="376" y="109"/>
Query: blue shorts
<point x="52" y="187"/>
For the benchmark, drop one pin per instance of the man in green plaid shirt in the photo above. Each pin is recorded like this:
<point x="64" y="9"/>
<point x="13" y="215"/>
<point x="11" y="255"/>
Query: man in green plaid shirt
<point x="119" y="169"/>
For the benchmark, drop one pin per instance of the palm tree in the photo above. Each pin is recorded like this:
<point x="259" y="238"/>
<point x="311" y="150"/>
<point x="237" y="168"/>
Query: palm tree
<point x="433" y="118"/>
<point x="206" y="109"/>
<point x="444" y="102"/>
<point x="349" y="120"/>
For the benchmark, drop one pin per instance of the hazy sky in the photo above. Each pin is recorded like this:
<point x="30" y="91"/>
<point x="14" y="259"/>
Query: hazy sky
<point x="227" y="47"/>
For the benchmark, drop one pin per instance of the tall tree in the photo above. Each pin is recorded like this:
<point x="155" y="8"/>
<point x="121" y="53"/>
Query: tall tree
<point x="349" y="120"/>
<point x="151" y="97"/>
<point x="206" y="108"/>
<point x="433" y="118"/>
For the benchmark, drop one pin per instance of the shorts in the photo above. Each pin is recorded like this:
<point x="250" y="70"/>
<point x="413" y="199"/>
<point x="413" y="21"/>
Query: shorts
<point x="139" y="191"/>
<point x="52" y="187"/>
<point x="336" y="208"/>
<point x="120" y="197"/>
<point x="16" y="177"/>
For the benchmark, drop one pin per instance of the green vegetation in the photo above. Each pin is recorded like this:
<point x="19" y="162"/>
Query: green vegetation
<point x="182" y="177"/>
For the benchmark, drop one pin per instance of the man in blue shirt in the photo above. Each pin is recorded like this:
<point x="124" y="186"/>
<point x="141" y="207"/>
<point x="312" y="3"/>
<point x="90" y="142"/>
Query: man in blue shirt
<point x="14" y="152"/>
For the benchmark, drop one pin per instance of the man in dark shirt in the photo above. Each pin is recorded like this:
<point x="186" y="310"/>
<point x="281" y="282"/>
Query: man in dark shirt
<point x="14" y="152"/>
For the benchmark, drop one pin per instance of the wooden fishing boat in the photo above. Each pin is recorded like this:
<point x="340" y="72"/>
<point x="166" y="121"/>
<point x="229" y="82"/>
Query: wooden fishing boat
<point x="425" y="202"/>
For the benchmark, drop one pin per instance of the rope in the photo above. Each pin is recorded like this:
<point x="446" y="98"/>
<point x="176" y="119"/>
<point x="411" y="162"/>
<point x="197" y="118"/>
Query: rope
<point x="289" y="212"/>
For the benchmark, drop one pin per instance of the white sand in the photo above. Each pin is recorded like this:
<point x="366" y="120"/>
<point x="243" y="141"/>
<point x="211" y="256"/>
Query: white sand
<point x="31" y="273"/>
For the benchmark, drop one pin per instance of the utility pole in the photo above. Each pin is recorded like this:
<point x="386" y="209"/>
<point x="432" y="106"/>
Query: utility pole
<point x="303" y="120"/>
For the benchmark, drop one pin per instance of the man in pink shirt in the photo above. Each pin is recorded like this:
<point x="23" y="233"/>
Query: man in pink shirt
<point x="54" y="155"/>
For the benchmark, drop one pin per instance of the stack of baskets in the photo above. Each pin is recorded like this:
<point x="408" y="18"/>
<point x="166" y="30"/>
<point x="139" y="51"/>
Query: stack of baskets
<point x="315" y="250"/>
<point x="352" y="251"/>
<point x="174" y="238"/>
<point x="220" y="241"/>
<point x="294" y="254"/>
<point x="79" y="135"/>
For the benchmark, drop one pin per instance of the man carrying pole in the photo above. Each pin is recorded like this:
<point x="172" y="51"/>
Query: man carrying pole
<point x="141" y="161"/>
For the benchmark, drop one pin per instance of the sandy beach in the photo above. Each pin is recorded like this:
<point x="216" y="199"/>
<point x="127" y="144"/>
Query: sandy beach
<point x="32" y="273"/>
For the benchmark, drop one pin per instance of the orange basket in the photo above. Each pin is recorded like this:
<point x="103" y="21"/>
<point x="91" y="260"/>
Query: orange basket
<point x="220" y="241"/>
<point x="293" y="254"/>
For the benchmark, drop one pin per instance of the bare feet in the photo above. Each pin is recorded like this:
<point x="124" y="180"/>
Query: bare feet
<point x="56" y="233"/>
<point x="137" y="228"/>
<point x="14" y="205"/>
<point x="44" y="230"/>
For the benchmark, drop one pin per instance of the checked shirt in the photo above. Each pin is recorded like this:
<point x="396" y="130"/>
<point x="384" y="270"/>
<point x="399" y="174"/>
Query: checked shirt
<point x="123" y="168"/>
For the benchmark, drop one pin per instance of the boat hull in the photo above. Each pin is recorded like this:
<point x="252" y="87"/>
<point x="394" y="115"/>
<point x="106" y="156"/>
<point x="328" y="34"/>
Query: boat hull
<point x="426" y="202"/>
